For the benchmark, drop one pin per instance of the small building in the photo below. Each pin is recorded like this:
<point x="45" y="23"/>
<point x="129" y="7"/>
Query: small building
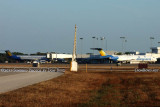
<point x="156" y="50"/>
<point x="111" y="52"/>
<point x="134" y="53"/>
<point x="58" y="56"/>
<point x="155" y="53"/>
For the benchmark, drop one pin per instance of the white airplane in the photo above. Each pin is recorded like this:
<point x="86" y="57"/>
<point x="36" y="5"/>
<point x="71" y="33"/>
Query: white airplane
<point x="127" y="58"/>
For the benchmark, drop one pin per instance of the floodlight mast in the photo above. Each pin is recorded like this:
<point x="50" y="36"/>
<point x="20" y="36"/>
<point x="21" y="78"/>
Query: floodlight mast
<point x="81" y="46"/>
<point x="74" y="64"/>
<point x="74" y="46"/>
<point x="151" y="38"/>
<point x="123" y="39"/>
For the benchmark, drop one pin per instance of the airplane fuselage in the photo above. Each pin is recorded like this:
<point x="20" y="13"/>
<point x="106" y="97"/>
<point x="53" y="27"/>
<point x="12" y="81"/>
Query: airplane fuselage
<point x="138" y="58"/>
<point x="127" y="58"/>
<point x="31" y="57"/>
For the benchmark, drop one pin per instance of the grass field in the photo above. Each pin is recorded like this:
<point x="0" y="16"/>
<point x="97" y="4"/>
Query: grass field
<point x="90" y="89"/>
<point x="127" y="90"/>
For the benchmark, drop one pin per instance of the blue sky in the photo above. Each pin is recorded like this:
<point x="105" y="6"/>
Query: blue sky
<point x="48" y="25"/>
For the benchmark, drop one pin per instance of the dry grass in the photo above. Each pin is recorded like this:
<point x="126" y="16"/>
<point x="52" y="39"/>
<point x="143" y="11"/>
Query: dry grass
<point x="69" y="89"/>
<point x="127" y="90"/>
<point x="90" y="89"/>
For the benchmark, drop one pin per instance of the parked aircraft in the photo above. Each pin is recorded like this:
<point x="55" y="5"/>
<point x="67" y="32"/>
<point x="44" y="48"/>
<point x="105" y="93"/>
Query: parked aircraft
<point x="127" y="58"/>
<point x="26" y="57"/>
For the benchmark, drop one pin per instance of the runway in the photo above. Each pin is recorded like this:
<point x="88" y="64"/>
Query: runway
<point x="11" y="81"/>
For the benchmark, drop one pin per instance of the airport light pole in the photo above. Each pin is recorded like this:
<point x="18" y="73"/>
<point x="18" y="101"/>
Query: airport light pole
<point x="106" y="44"/>
<point x="151" y="39"/>
<point x="125" y="45"/>
<point x="97" y="43"/>
<point x="123" y="40"/>
<point x="93" y="43"/>
<point x="81" y="46"/>
<point x="102" y="38"/>
<point x="158" y="43"/>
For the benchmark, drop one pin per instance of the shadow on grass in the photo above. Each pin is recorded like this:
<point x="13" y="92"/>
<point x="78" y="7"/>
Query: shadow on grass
<point x="106" y="96"/>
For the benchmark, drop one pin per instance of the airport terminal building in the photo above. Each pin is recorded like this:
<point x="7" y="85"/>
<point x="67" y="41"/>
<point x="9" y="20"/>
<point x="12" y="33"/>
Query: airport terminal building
<point x="90" y="58"/>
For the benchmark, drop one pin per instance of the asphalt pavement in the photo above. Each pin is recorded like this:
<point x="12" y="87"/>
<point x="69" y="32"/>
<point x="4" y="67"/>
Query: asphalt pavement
<point x="11" y="81"/>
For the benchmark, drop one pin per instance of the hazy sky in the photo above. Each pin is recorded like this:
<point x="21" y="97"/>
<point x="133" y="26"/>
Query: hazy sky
<point x="48" y="25"/>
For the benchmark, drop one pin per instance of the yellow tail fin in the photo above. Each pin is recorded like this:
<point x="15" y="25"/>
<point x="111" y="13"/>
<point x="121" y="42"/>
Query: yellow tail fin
<point x="9" y="53"/>
<point x="102" y="53"/>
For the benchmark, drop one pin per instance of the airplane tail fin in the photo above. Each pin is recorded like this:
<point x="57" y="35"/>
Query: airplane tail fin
<point x="102" y="53"/>
<point x="8" y="53"/>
